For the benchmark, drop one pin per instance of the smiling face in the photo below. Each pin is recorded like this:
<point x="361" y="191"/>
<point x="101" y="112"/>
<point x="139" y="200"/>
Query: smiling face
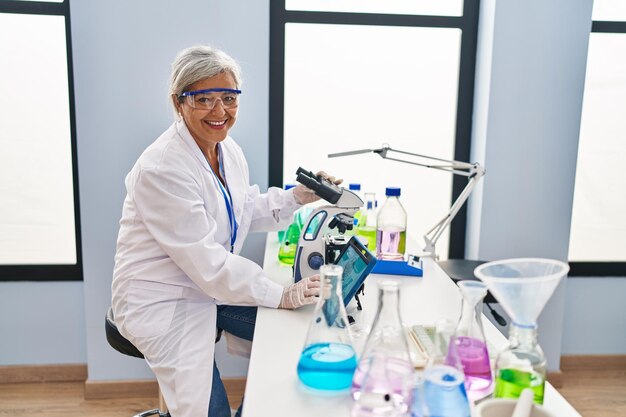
<point x="209" y="127"/>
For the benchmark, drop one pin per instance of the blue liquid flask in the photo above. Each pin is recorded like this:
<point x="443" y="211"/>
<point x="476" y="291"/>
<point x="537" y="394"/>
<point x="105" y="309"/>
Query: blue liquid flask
<point x="442" y="392"/>
<point x="328" y="359"/>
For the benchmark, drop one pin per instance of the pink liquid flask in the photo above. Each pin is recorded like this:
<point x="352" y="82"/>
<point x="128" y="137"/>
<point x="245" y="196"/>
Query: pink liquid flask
<point x="475" y="360"/>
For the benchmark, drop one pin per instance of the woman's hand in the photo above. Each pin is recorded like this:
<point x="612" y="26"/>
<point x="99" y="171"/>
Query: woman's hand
<point x="304" y="195"/>
<point x="303" y="292"/>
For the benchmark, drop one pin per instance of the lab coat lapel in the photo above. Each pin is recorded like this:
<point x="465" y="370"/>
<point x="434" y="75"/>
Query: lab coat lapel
<point x="234" y="181"/>
<point x="195" y="150"/>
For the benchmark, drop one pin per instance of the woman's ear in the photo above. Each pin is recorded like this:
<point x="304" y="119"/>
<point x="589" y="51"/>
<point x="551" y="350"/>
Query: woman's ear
<point x="177" y="105"/>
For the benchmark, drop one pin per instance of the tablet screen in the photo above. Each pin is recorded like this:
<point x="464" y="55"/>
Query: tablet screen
<point x="357" y="262"/>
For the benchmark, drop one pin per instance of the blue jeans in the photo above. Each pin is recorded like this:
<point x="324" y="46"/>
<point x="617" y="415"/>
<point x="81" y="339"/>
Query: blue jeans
<point x="238" y="321"/>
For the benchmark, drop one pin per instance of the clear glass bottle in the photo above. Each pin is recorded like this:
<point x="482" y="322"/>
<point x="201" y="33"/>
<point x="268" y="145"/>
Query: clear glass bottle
<point x="391" y="227"/>
<point x="441" y="391"/>
<point x="383" y="379"/>
<point x="521" y="365"/>
<point x="470" y="341"/>
<point x="366" y="227"/>
<point x="328" y="359"/>
<point x="287" y="250"/>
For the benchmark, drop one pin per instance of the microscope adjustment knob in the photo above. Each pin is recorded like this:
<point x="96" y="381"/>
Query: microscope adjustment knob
<point x="315" y="260"/>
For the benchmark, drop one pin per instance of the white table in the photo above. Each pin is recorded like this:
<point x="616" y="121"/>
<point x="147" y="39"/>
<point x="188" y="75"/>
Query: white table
<point x="273" y="388"/>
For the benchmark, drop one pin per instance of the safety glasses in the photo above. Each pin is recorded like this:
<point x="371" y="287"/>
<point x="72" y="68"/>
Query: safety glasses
<point x="208" y="99"/>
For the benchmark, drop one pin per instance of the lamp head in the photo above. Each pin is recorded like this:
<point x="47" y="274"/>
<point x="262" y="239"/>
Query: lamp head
<point x="381" y="151"/>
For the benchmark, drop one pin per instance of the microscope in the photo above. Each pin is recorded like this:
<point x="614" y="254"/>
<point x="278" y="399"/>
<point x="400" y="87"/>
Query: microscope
<point x="317" y="244"/>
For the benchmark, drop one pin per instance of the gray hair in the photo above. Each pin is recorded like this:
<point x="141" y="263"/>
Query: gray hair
<point x="197" y="63"/>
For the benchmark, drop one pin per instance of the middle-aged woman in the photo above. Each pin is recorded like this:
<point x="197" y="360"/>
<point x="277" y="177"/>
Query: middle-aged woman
<point x="188" y="209"/>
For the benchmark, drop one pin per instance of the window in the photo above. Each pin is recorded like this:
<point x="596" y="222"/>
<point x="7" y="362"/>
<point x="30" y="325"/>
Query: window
<point x="598" y="230"/>
<point x="39" y="217"/>
<point x="349" y="74"/>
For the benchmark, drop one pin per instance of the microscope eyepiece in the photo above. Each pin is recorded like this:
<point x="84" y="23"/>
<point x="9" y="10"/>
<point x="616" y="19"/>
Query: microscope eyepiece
<point x="322" y="187"/>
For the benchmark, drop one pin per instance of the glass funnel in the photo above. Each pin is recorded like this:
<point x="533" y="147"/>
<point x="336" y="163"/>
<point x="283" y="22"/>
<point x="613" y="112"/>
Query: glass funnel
<point x="328" y="359"/>
<point x="470" y="341"/>
<point x="522" y="287"/>
<point x="383" y="379"/>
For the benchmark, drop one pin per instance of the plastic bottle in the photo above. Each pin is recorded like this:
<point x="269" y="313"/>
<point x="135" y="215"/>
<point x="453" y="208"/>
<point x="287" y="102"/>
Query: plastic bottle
<point x="328" y="359"/>
<point x="366" y="227"/>
<point x="391" y="227"/>
<point x="383" y="379"/>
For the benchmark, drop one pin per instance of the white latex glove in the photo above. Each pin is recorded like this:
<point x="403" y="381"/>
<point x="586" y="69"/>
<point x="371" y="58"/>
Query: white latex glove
<point x="304" y="195"/>
<point x="301" y="293"/>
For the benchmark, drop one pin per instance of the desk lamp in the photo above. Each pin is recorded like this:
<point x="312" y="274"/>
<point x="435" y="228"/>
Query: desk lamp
<point x="473" y="172"/>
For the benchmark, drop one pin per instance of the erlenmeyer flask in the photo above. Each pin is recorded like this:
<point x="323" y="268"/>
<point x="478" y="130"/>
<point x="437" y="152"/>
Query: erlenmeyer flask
<point x="470" y="341"/>
<point x="289" y="244"/>
<point x="328" y="359"/>
<point x="383" y="379"/>
<point x="522" y="287"/>
<point x="443" y="389"/>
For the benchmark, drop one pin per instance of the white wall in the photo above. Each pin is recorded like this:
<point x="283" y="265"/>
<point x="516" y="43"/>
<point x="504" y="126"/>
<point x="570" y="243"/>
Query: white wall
<point x="529" y="87"/>
<point x="122" y="56"/>
<point x="122" y="52"/>
<point x="42" y="323"/>
<point x="595" y="322"/>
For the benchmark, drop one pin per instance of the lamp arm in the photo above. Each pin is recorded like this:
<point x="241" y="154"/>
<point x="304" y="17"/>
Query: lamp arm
<point x="451" y="164"/>
<point x="449" y="168"/>
<point x="432" y="236"/>
<point x="473" y="171"/>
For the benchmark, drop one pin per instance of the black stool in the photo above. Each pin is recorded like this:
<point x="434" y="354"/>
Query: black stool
<point x="122" y="345"/>
<point x="463" y="269"/>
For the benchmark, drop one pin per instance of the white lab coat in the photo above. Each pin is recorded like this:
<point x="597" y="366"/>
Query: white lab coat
<point x="173" y="264"/>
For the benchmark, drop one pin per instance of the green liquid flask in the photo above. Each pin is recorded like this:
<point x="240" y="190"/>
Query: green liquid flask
<point x="520" y="365"/>
<point x="287" y="251"/>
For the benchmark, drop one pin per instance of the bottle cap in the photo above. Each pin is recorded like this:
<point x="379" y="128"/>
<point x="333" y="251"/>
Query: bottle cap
<point x="355" y="187"/>
<point x="288" y="186"/>
<point x="392" y="191"/>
